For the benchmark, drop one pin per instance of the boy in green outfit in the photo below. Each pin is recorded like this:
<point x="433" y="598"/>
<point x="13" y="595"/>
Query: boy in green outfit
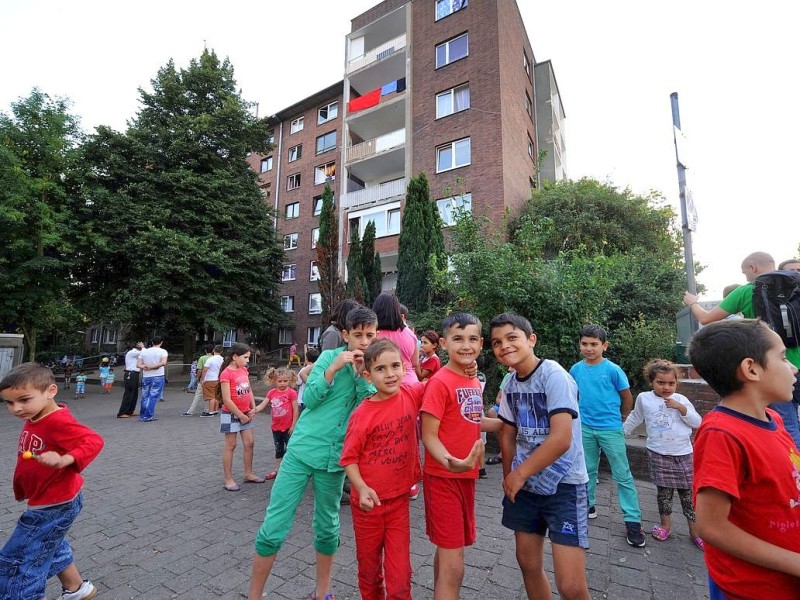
<point x="334" y="389"/>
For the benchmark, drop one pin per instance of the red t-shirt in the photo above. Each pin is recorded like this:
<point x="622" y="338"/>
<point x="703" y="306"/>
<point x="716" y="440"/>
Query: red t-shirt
<point x="281" y="408"/>
<point x="432" y="364"/>
<point x="382" y="439"/>
<point x="457" y="402"/>
<point x="241" y="394"/>
<point x="59" y="432"/>
<point x="757" y="465"/>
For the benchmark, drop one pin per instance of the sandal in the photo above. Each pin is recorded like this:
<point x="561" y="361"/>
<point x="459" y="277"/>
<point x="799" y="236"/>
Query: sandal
<point x="660" y="533"/>
<point x="699" y="543"/>
<point x="256" y="480"/>
<point x="270" y="476"/>
<point x="494" y="460"/>
<point x="232" y="488"/>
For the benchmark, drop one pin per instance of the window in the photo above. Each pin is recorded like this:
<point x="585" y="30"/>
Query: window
<point x="526" y="64"/>
<point x="314" y="272"/>
<point x="313" y="336"/>
<point x="110" y="337"/>
<point x="289" y="273"/>
<point x="296" y="152"/>
<point x="266" y="164"/>
<point x="271" y="138"/>
<point x="229" y="338"/>
<point x="95" y="336"/>
<point x="453" y="155"/>
<point x="314" y="237"/>
<point x="323" y="173"/>
<point x="296" y="125"/>
<point x="450" y="208"/>
<point x="293" y="210"/>
<point x="452" y="101"/>
<point x="290" y="241"/>
<point x="315" y="304"/>
<point x="327" y="113"/>
<point x="293" y="181"/>
<point x="287" y="304"/>
<point x="452" y="50"/>
<point x="317" y="200"/>
<point x="448" y="7"/>
<point x="284" y="335"/>
<point x="326" y="142"/>
<point x="528" y="105"/>
<point x="530" y="148"/>
<point x="386" y="219"/>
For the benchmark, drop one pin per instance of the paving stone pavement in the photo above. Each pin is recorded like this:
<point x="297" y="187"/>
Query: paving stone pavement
<point x="157" y="523"/>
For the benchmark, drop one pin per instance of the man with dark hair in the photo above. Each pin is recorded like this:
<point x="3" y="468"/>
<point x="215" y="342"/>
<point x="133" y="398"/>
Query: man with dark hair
<point x="152" y="361"/>
<point x="131" y="381"/>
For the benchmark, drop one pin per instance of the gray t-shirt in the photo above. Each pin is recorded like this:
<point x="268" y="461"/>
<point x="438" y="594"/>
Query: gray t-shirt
<point x="528" y="404"/>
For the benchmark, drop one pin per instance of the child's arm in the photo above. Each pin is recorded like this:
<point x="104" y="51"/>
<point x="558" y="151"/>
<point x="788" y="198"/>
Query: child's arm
<point x="263" y="404"/>
<point x="627" y="402"/>
<point x="367" y="497"/>
<point x="430" y="438"/>
<point x="295" y="413"/>
<point x="635" y="417"/>
<point x="508" y="446"/>
<point x="225" y="388"/>
<point x="82" y="444"/>
<point x="713" y="508"/>
<point x="321" y="378"/>
<point x="491" y="424"/>
<point x="555" y="444"/>
<point x="304" y="372"/>
<point x="688" y="414"/>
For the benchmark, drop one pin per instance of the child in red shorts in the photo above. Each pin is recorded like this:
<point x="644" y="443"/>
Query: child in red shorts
<point x="452" y="420"/>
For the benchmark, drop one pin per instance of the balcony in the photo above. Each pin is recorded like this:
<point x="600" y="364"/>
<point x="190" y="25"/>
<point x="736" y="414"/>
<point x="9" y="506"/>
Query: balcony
<point x="372" y="147"/>
<point x="385" y="50"/>
<point x="374" y="195"/>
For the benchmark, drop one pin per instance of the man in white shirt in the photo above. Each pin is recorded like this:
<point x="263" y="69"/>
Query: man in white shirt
<point x="152" y="362"/>
<point x="210" y="381"/>
<point x="131" y="380"/>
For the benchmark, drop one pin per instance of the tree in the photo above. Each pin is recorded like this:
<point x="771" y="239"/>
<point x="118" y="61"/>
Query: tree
<point x="330" y="285"/>
<point x="421" y="246"/>
<point x="181" y="238"/>
<point x="38" y="142"/>
<point x="370" y="265"/>
<point x="356" y="285"/>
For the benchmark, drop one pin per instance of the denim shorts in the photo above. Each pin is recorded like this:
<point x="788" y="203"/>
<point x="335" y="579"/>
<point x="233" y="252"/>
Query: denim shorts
<point x="563" y="515"/>
<point x="37" y="550"/>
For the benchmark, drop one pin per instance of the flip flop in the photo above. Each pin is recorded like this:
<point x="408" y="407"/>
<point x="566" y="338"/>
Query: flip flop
<point x="256" y="480"/>
<point x="232" y="488"/>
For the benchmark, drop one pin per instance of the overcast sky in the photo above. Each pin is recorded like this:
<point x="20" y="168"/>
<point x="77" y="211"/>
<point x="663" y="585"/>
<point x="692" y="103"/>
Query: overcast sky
<point x="733" y="64"/>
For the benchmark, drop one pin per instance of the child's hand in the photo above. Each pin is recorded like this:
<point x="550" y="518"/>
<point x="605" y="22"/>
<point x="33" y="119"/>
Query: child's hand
<point x="358" y="361"/>
<point x="55" y="460"/>
<point x="472" y="460"/>
<point x="347" y="357"/>
<point x="512" y="484"/>
<point x="368" y="499"/>
<point x="251" y="413"/>
<point x="472" y="370"/>
<point x="672" y="403"/>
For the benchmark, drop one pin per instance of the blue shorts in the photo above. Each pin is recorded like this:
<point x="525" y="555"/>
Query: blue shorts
<point x="564" y="516"/>
<point x="228" y="423"/>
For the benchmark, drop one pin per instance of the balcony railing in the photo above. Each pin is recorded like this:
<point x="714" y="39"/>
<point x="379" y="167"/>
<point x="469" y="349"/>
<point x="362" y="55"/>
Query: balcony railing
<point x="371" y="147"/>
<point x="377" y="53"/>
<point x="375" y="194"/>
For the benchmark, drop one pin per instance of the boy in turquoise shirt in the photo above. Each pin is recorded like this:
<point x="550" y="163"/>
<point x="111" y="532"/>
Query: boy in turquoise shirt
<point x="333" y="390"/>
<point x="605" y="401"/>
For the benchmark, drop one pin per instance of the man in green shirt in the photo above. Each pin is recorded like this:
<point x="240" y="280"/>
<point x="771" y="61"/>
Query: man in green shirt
<point x="198" y="392"/>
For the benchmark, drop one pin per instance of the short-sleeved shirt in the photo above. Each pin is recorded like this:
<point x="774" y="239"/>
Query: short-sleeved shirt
<point x="151" y="357"/>
<point x="241" y="394"/>
<point x="212" y="366"/>
<point x="280" y="403"/>
<point x="527" y="404"/>
<point x="599" y="387"/>
<point x="754" y="462"/>
<point x="456" y="401"/>
<point x="432" y="364"/>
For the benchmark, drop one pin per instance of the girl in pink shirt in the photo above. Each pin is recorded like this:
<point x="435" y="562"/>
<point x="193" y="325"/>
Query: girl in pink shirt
<point x="392" y="327"/>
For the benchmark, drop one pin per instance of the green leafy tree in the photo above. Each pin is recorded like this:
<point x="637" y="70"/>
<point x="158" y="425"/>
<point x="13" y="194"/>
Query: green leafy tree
<point x="356" y="286"/>
<point x="370" y="265"/>
<point x="420" y="247"/>
<point x="181" y="238"/>
<point x="330" y="284"/>
<point x="38" y="142"/>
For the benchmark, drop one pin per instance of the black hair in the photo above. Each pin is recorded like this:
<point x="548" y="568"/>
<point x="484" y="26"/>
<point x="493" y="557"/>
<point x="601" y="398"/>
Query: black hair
<point x="312" y="354"/>
<point x="157" y="339"/>
<point x="339" y="317"/>
<point x="404" y="310"/>
<point x="717" y="350"/>
<point x="29" y="374"/>
<point x="387" y="309"/>
<point x="218" y="349"/>
<point x="209" y="348"/>
<point x="432" y="336"/>
<point x="656" y="366"/>
<point x="377" y="348"/>
<point x="360" y="316"/>
<point x="515" y="320"/>
<point x="459" y="320"/>
<point x="594" y="331"/>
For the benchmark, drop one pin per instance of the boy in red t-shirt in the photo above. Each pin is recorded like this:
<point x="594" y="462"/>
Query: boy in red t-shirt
<point x="746" y="466"/>
<point x="452" y="421"/>
<point x="53" y="449"/>
<point x="284" y="409"/>
<point x="381" y="460"/>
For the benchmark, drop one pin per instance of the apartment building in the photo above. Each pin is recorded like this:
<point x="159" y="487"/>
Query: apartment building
<point x="445" y="87"/>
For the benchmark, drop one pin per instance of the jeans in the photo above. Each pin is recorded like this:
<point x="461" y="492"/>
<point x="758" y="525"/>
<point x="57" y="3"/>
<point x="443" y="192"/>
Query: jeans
<point x="152" y="388"/>
<point x="612" y="442"/>
<point x="37" y="550"/>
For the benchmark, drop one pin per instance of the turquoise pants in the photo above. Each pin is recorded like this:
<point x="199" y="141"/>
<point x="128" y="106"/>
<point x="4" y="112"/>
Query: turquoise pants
<point x="612" y="443"/>
<point x="287" y="493"/>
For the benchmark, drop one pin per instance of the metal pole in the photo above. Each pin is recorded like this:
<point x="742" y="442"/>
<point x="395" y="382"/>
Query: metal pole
<point x="688" y="257"/>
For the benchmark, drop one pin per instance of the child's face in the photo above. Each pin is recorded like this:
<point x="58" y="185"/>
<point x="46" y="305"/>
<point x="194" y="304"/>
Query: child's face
<point x="511" y="346"/>
<point x="30" y="403"/>
<point x="360" y="336"/>
<point x="592" y="349"/>
<point x="241" y="360"/>
<point x="779" y="374"/>
<point x="664" y="384"/>
<point x="427" y="346"/>
<point x="386" y="373"/>
<point x="462" y="345"/>
<point x="282" y="382"/>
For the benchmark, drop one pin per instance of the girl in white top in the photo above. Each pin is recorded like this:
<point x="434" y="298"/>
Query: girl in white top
<point x="669" y="418"/>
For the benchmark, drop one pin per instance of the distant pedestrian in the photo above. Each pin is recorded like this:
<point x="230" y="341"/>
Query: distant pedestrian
<point x="200" y="369"/>
<point x="210" y="381"/>
<point x="293" y="357"/>
<point x="332" y="338"/>
<point x="105" y="369"/>
<point x="192" y="377"/>
<point x="312" y="354"/>
<point x="80" y="384"/>
<point x="152" y="362"/>
<point x="67" y="375"/>
<point x="110" y="381"/>
<point x="131" y="382"/>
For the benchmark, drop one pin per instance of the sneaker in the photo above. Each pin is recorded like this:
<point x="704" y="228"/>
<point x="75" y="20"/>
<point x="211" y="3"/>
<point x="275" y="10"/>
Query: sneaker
<point x="413" y="493"/>
<point x="86" y="591"/>
<point x="187" y="414"/>
<point x="592" y="512"/>
<point x="482" y="474"/>
<point x="205" y="413"/>
<point x="634" y="535"/>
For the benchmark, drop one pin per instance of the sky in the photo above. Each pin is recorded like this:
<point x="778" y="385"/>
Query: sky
<point x="733" y="65"/>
